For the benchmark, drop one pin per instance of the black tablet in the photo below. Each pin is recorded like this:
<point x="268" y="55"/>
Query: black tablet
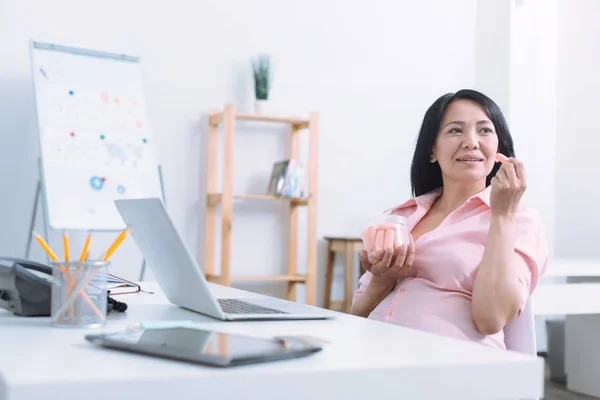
<point x="205" y="347"/>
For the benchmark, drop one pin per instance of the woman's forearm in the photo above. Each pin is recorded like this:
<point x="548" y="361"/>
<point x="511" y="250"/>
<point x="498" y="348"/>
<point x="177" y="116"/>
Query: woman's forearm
<point x="496" y="291"/>
<point x="372" y="296"/>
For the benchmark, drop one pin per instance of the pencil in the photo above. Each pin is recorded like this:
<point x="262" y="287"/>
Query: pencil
<point x="70" y="283"/>
<point x="45" y="246"/>
<point x="116" y="244"/>
<point x="86" y="246"/>
<point x="66" y="245"/>
<point x="84" y="255"/>
<point x="52" y="256"/>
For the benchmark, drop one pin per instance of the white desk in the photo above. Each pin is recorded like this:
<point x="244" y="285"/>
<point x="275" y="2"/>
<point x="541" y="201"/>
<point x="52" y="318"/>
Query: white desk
<point x="565" y="267"/>
<point x="42" y="362"/>
<point x="580" y="303"/>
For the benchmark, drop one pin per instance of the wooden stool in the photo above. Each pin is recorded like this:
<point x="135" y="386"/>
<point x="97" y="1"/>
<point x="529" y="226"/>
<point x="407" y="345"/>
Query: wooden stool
<point x="349" y="246"/>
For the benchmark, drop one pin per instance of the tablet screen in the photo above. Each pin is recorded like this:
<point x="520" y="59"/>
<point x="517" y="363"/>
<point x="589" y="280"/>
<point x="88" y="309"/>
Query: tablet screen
<point x="196" y="343"/>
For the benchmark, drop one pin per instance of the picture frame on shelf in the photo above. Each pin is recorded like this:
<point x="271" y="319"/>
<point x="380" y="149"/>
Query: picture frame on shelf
<point x="288" y="179"/>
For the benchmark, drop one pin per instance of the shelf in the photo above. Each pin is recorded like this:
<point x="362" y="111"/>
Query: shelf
<point x="220" y="201"/>
<point x="262" y="278"/>
<point x="217" y="117"/>
<point x="215" y="198"/>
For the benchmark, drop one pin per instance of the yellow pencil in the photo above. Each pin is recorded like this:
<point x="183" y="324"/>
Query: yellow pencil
<point x="45" y="246"/>
<point x="69" y="282"/>
<point x="86" y="246"/>
<point x="84" y="254"/>
<point x="66" y="245"/>
<point x="116" y="244"/>
<point x="51" y="254"/>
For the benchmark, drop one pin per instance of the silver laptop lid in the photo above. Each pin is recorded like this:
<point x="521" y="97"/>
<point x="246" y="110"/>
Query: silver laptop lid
<point x="174" y="267"/>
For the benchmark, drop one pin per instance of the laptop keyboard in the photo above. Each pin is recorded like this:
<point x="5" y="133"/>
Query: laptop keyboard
<point x="235" y="306"/>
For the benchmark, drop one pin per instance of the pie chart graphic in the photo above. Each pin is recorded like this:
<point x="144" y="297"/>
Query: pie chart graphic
<point x="96" y="183"/>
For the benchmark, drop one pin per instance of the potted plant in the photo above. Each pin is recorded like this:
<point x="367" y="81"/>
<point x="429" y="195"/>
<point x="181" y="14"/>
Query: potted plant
<point x="263" y="78"/>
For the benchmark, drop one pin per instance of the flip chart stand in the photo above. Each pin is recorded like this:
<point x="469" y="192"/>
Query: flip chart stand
<point x="32" y="223"/>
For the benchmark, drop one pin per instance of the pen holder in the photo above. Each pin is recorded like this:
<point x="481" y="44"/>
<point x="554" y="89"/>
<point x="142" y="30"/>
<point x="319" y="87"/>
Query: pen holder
<point x="79" y="294"/>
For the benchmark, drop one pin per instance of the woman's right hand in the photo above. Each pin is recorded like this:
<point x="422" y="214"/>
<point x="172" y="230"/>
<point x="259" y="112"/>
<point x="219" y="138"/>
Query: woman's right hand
<point x="390" y="266"/>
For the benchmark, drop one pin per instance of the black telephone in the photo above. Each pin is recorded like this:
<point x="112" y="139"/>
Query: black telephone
<point x="29" y="294"/>
<point x="22" y="291"/>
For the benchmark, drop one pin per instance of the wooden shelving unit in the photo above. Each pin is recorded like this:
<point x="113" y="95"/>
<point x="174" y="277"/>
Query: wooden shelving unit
<point x="225" y="199"/>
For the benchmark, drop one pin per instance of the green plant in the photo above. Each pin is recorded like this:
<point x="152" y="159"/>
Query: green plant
<point x="261" y="66"/>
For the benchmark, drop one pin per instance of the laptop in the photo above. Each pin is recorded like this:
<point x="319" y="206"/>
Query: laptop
<point x="181" y="278"/>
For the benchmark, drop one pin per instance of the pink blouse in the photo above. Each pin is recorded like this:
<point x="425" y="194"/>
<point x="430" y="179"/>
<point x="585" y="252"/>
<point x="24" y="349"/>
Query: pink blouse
<point x="438" y="299"/>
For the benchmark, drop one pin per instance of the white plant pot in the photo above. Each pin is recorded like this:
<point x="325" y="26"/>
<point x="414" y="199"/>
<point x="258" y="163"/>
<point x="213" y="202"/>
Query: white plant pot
<point x="261" y="107"/>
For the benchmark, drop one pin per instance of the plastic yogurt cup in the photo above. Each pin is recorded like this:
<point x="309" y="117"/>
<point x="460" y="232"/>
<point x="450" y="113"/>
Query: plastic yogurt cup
<point x="384" y="232"/>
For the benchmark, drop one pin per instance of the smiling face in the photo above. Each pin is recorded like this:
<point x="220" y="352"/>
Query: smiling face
<point x="466" y="145"/>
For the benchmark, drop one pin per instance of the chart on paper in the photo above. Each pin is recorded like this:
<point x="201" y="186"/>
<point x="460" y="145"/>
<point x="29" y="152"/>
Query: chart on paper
<point x="95" y="137"/>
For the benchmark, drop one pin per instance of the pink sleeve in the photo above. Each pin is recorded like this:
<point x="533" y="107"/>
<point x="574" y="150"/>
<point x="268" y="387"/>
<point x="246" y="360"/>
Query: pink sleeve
<point x="531" y="248"/>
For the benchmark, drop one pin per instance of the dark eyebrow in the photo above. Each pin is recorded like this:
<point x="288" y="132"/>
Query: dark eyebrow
<point x="455" y="122"/>
<point x="483" y="121"/>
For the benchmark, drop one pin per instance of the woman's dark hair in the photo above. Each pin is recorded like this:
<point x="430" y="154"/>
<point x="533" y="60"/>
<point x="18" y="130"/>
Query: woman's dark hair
<point x="426" y="176"/>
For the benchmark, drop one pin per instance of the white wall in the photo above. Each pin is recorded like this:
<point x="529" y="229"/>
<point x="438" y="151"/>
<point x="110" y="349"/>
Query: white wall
<point x="371" y="71"/>
<point x="533" y="111"/>
<point x="516" y="66"/>
<point x="578" y="193"/>
<point x="533" y="102"/>
<point x="493" y="50"/>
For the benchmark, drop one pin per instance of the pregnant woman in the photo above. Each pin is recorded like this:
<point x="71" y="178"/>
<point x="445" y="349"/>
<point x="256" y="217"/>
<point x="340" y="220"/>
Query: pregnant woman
<point x="474" y="252"/>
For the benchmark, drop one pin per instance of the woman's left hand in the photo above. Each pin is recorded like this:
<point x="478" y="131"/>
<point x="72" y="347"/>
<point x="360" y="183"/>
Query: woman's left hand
<point x="508" y="187"/>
